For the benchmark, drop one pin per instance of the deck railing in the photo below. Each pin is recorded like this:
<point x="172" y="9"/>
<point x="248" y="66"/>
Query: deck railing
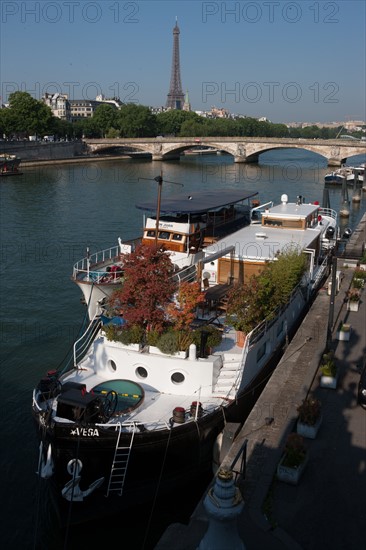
<point x="328" y="212"/>
<point x="85" y="265"/>
<point x="83" y="343"/>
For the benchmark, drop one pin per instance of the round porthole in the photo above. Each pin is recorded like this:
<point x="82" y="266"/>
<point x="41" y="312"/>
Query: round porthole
<point x="141" y="372"/>
<point x="112" y="365"/>
<point x="177" y="378"/>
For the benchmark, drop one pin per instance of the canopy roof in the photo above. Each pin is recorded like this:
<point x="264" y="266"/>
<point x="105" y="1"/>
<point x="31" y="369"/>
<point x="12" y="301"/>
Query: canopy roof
<point x="197" y="202"/>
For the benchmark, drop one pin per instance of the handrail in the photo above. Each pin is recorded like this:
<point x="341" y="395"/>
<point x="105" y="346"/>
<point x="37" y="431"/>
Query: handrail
<point x="328" y="212"/>
<point x="99" y="258"/>
<point x="86" y="340"/>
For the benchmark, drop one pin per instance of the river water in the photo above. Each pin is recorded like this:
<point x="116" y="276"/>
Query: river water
<point x="48" y="216"/>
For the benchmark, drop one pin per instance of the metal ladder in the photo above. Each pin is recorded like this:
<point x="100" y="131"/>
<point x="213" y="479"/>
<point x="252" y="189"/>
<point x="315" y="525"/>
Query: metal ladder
<point x="119" y="464"/>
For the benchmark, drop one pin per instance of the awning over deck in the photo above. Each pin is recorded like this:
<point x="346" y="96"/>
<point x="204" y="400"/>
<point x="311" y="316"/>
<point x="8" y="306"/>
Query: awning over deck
<point x="197" y="202"/>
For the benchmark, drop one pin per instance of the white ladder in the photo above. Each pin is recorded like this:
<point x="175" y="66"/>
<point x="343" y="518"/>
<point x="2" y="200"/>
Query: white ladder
<point x="119" y="464"/>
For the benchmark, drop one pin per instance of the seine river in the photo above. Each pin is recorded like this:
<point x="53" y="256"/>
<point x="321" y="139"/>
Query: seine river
<point x="49" y="215"/>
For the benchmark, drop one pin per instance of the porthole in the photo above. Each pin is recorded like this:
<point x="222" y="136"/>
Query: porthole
<point x="177" y="378"/>
<point x="141" y="372"/>
<point x="112" y="365"/>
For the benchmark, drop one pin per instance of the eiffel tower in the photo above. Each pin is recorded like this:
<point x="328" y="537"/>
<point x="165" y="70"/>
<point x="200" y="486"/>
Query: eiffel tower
<point x="175" y="98"/>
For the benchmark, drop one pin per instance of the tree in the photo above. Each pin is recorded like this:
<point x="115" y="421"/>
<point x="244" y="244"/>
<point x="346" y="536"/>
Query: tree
<point x="254" y="301"/>
<point x="182" y="312"/>
<point x="105" y="118"/>
<point x="170" y="122"/>
<point x="148" y="287"/>
<point x="136" y="121"/>
<point x="27" y="115"/>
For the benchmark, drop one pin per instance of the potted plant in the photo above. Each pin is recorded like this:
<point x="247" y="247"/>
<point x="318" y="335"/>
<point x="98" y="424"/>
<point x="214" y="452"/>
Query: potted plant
<point x="293" y="460"/>
<point x="128" y="336"/>
<point x="329" y="371"/>
<point x="344" y="331"/>
<point x="353" y="299"/>
<point x="359" y="278"/>
<point x="310" y="417"/>
<point x="242" y="313"/>
<point x="213" y="336"/>
<point x="363" y="262"/>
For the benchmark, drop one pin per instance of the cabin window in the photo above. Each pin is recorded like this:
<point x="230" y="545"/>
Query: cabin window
<point x="141" y="372"/>
<point x="261" y="352"/>
<point x="177" y="378"/>
<point x="150" y="233"/>
<point x="268" y="221"/>
<point x="177" y="237"/>
<point x="164" y="235"/>
<point x="295" y="224"/>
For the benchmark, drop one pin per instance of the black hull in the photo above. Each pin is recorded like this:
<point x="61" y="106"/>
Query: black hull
<point x="159" y="463"/>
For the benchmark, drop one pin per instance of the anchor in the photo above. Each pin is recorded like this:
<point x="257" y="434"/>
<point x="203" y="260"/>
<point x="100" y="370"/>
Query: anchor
<point x="45" y="468"/>
<point x="71" y="490"/>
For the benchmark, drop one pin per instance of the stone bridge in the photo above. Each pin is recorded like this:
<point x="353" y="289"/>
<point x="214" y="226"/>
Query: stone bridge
<point x="243" y="149"/>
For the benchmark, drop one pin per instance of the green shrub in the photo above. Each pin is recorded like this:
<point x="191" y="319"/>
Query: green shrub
<point x="168" y="342"/>
<point x="328" y="366"/>
<point x="152" y="337"/>
<point x="214" y="336"/>
<point x="131" y="335"/>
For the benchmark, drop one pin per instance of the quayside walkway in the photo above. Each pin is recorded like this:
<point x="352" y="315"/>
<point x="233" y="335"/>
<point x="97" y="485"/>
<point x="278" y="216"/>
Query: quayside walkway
<point x="327" y="509"/>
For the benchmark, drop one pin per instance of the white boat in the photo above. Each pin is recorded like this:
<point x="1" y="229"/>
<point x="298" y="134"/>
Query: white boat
<point x="350" y="174"/>
<point x="126" y="423"/>
<point x="186" y="222"/>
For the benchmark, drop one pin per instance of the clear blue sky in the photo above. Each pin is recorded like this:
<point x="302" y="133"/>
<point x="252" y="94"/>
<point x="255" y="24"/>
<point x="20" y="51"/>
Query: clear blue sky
<point x="287" y="61"/>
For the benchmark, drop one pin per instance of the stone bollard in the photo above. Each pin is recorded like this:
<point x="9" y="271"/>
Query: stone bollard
<point x="223" y="504"/>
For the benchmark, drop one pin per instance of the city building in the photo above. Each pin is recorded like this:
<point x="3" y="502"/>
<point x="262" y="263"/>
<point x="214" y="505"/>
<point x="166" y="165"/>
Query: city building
<point x="59" y="105"/>
<point x="85" y="108"/>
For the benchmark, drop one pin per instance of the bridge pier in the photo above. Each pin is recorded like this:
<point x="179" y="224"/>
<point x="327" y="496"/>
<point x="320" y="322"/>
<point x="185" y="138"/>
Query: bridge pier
<point x="246" y="159"/>
<point x="336" y="162"/>
<point x="157" y="156"/>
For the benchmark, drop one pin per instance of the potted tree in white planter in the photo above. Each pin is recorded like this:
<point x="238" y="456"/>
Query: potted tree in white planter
<point x="353" y="299"/>
<point x="310" y="417"/>
<point x="329" y="371"/>
<point x="293" y="460"/>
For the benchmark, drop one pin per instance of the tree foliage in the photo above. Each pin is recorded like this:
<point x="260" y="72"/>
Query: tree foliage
<point x="26" y="115"/>
<point x="182" y="312"/>
<point x="254" y="301"/>
<point x="136" y="121"/>
<point x="148" y="287"/>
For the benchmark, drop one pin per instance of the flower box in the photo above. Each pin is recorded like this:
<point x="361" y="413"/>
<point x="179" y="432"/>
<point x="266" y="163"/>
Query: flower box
<point x="115" y="344"/>
<point x="344" y="332"/>
<point x="307" y="430"/>
<point x="329" y="382"/>
<point x="157" y="351"/>
<point x="352" y="306"/>
<point x="310" y="417"/>
<point x="291" y="474"/>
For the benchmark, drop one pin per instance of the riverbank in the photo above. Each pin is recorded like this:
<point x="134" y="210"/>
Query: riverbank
<point x="72" y="160"/>
<point x="326" y="509"/>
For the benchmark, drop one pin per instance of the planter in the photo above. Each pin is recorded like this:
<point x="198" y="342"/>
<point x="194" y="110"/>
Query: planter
<point x="329" y="381"/>
<point x="115" y="344"/>
<point x="240" y="338"/>
<point x="344" y="335"/>
<point x="289" y="474"/>
<point x="352" y="306"/>
<point x="157" y="351"/>
<point x="308" y="431"/>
